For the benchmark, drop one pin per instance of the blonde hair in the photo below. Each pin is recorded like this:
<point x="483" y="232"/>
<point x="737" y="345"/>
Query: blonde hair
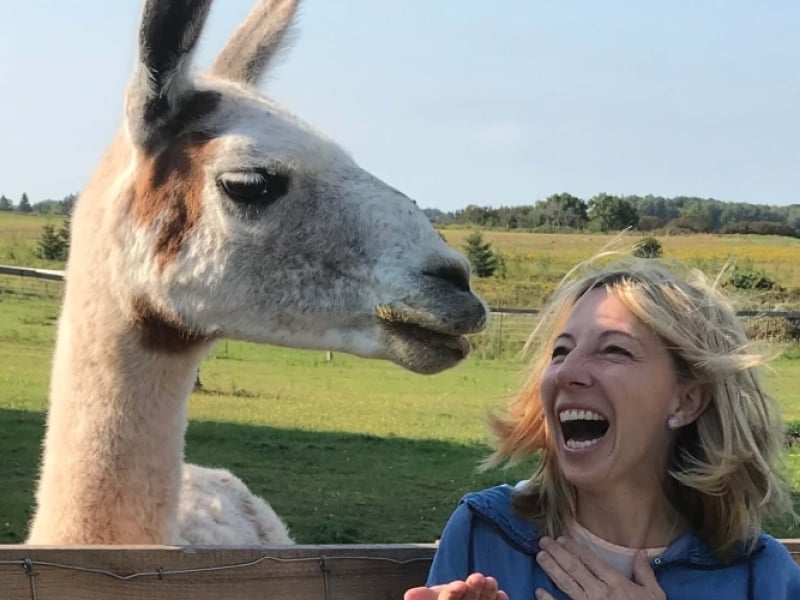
<point x="725" y="470"/>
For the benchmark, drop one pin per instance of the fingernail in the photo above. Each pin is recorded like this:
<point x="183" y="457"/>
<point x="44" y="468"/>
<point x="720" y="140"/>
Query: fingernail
<point x="561" y="540"/>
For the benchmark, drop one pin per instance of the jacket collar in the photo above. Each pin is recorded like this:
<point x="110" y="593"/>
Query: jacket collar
<point x="494" y="505"/>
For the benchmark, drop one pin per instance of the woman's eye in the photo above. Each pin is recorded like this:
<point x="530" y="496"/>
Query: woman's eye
<point x="254" y="187"/>
<point x="616" y="350"/>
<point x="559" y="351"/>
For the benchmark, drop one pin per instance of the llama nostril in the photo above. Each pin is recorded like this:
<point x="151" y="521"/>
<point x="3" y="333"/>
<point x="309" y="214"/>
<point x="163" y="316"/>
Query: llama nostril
<point x="452" y="273"/>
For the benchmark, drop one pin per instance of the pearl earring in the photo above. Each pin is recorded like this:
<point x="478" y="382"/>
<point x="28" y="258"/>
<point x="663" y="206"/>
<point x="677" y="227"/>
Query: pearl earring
<point x="672" y="422"/>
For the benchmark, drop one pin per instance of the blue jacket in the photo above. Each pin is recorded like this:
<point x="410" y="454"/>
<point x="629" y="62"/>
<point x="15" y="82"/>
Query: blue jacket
<point x="484" y="534"/>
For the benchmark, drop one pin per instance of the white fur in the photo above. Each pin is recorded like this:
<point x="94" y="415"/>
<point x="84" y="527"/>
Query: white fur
<point x="217" y="508"/>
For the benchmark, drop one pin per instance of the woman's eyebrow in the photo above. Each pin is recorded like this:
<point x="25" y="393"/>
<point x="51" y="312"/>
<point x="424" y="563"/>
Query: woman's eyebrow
<point x="613" y="332"/>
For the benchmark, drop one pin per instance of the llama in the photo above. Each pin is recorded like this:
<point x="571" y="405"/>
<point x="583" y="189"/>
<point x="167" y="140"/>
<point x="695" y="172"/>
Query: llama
<point x="217" y="214"/>
<point x="217" y="508"/>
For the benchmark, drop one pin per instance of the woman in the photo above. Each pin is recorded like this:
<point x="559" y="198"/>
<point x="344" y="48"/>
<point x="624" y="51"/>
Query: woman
<point x="660" y="454"/>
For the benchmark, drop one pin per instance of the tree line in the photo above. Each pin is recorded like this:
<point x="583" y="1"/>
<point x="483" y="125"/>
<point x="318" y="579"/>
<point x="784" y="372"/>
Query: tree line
<point x="565" y="212"/>
<point x="43" y="207"/>
<point x="606" y="212"/>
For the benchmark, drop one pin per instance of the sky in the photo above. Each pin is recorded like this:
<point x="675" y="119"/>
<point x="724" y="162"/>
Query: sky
<point x="455" y="102"/>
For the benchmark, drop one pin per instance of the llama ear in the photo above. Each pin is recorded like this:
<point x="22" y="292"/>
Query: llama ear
<point x="161" y="84"/>
<point x="256" y="42"/>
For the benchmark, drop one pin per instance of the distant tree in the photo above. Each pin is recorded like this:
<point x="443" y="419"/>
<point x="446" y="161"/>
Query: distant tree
<point x="793" y="218"/>
<point x="5" y="203"/>
<point x="562" y="211"/>
<point x="649" y="223"/>
<point x="483" y="216"/>
<point x="63" y="236"/>
<point x="54" y="244"/>
<point x="758" y="227"/>
<point x="654" y="206"/>
<point x="434" y="215"/>
<point x="67" y="203"/>
<point x="49" y="246"/>
<point x="700" y="215"/>
<point x="611" y="213"/>
<point x="480" y="254"/>
<point x="24" y="204"/>
<point x="648" y="247"/>
<point x="514" y="217"/>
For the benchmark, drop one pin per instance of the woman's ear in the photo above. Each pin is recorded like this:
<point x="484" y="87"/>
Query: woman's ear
<point x="693" y="401"/>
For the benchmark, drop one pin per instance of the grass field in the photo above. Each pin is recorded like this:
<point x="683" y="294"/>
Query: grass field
<point x="536" y="262"/>
<point x="346" y="451"/>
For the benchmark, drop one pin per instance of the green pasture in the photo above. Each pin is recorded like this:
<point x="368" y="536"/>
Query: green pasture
<point x="346" y="450"/>
<point x="350" y="450"/>
<point x="535" y="262"/>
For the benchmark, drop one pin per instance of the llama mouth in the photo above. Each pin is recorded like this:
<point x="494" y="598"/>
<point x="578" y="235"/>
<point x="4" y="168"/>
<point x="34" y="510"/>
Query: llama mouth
<point x="421" y="347"/>
<point x="457" y="343"/>
<point x="582" y="429"/>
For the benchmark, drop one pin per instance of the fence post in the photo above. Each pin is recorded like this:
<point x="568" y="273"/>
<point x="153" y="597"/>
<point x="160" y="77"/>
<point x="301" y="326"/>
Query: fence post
<point x="500" y="336"/>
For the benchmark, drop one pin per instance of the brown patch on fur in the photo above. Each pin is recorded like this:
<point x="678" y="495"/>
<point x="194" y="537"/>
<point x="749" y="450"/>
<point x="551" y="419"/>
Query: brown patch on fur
<point x="161" y="333"/>
<point x="168" y="193"/>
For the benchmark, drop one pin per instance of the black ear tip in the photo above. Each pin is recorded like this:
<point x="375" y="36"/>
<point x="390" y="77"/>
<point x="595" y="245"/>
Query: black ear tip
<point x="169" y="30"/>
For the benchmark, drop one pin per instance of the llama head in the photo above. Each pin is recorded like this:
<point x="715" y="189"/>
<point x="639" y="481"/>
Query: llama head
<point x="232" y="218"/>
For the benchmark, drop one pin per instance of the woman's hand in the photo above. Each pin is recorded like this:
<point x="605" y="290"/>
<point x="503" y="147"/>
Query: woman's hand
<point x="476" y="587"/>
<point x="583" y="576"/>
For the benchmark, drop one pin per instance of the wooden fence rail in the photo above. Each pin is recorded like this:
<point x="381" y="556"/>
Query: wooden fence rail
<point x="343" y="572"/>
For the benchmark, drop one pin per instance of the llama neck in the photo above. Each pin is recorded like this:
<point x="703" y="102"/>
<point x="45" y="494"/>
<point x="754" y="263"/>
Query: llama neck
<point x="115" y="431"/>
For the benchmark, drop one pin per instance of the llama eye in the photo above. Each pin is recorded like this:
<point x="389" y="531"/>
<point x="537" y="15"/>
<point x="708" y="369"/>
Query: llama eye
<point x="254" y="187"/>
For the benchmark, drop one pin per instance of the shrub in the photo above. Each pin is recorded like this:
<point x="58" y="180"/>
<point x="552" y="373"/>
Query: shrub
<point x="751" y="279"/>
<point x="54" y="245"/>
<point x="792" y="433"/>
<point x="648" y="247"/>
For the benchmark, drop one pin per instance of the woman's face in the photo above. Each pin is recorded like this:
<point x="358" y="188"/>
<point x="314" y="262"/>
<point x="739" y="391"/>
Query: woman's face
<point x="607" y="394"/>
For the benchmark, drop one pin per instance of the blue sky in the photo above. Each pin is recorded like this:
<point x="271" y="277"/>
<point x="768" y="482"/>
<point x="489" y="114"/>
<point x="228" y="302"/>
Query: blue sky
<point x="456" y="102"/>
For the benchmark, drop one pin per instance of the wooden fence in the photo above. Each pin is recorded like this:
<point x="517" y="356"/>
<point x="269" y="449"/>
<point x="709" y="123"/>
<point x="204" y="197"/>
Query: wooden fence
<point x="345" y="572"/>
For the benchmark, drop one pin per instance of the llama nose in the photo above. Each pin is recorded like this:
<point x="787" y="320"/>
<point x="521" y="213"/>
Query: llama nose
<point x="456" y="274"/>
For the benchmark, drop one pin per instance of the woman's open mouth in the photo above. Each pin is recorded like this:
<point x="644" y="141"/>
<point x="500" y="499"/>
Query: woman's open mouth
<point x="582" y="428"/>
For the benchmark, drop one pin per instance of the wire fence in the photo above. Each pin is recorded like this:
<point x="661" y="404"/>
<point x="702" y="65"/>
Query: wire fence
<point x="333" y="572"/>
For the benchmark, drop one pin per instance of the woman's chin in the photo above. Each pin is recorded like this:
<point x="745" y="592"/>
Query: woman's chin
<point x="586" y="465"/>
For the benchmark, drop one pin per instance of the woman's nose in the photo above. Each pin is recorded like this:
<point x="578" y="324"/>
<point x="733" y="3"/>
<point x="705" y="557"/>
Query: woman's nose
<point x="573" y="371"/>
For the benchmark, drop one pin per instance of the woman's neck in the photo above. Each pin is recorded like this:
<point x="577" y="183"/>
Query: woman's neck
<point x="630" y="517"/>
